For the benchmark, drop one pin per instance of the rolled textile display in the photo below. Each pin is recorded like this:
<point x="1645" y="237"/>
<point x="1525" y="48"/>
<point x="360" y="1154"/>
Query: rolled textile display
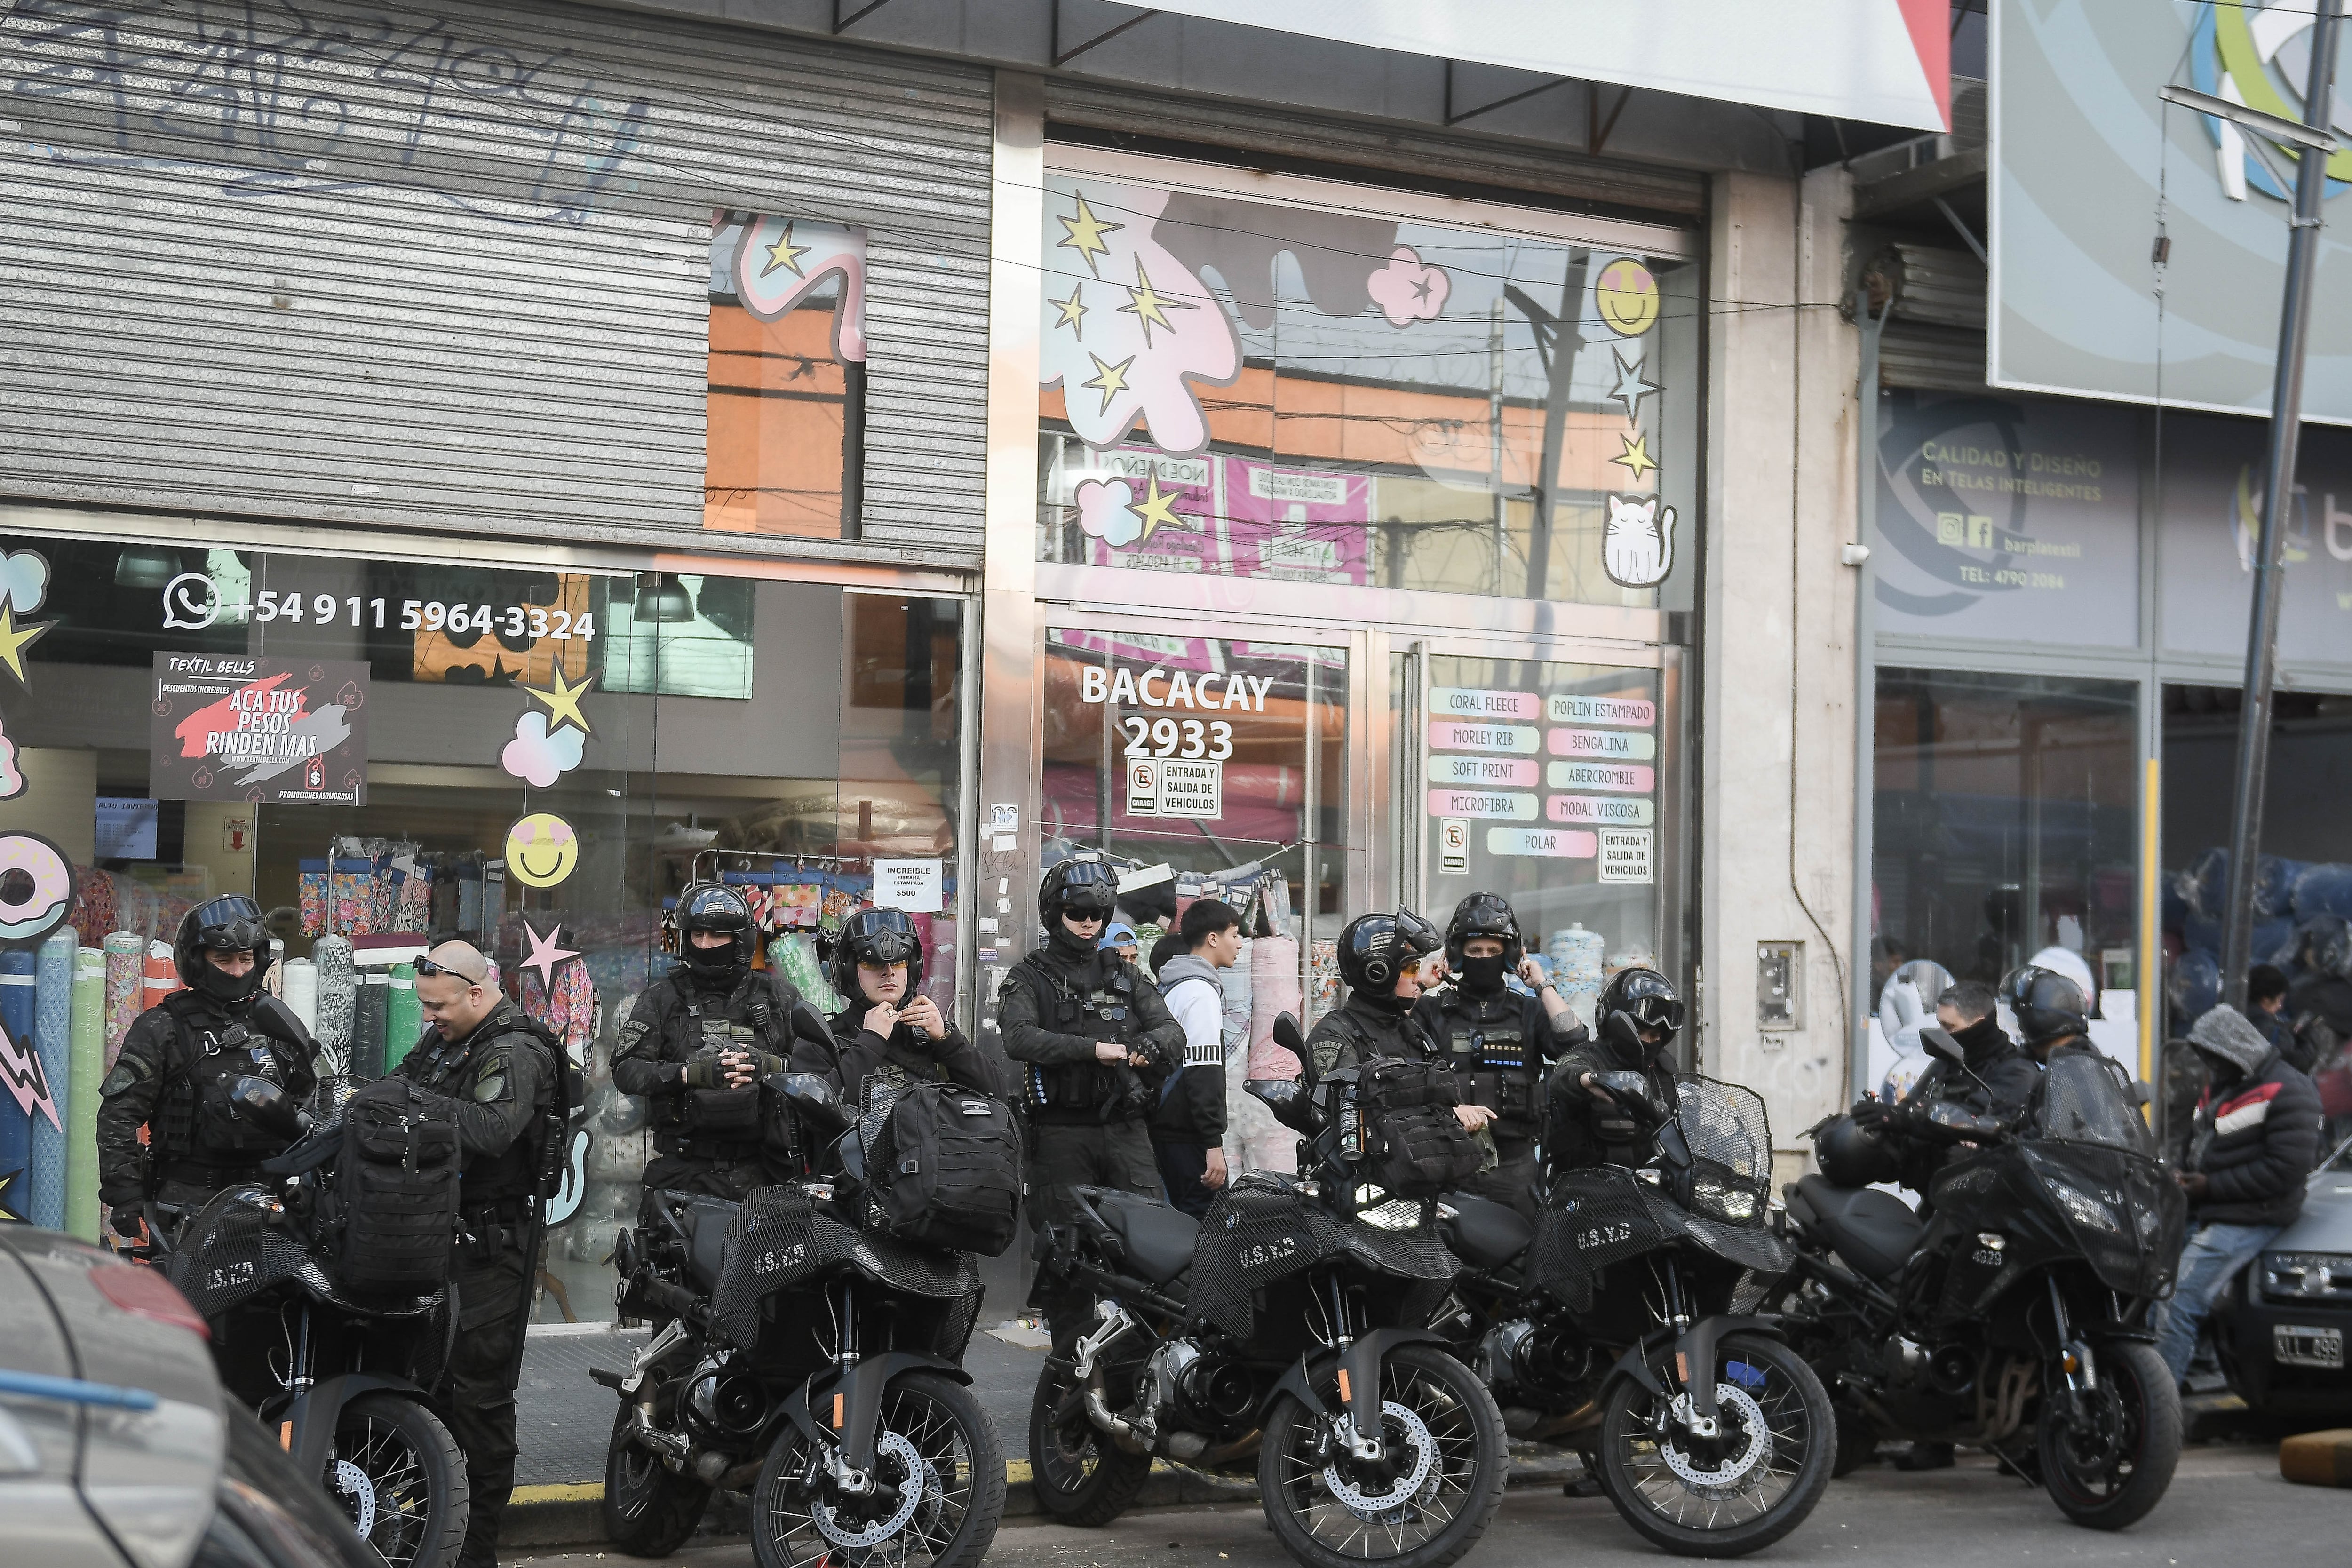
<point x="367" y="1025"/>
<point x="162" y="977"/>
<point x="18" y="1011"/>
<point x="85" y="1071"/>
<point x="301" y="996"/>
<point x="53" y="1042"/>
<point x="1254" y="1140"/>
<point x="126" y="958"/>
<point x="403" y="1015"/>
<point x="332" y="954"/>
<point x="275" y="981"/>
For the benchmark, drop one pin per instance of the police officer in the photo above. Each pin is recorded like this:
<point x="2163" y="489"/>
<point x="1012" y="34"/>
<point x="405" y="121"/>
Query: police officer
<point x="1635" y="1020"/>
<point x="1381" y="963"/>
<point x="888" y="1029"/>
<point x="699" y="1042"/>
<point x="1499" y="1039"/>
<point x="179" y="1059"/>
<point x="1996" y="1078"/>
<point x="1082" y="1029"/>
<point x="2051" y="1011"/>
<point x="494" y="1070"/>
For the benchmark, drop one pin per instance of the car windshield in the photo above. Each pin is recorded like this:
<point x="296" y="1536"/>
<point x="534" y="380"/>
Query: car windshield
<point x="2083" y="1101"/>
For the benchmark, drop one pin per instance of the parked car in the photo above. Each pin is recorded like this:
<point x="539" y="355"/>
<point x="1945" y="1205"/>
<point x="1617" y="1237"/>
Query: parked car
<point x="2281" y="1335"/>
<point x="117" y="1446"/>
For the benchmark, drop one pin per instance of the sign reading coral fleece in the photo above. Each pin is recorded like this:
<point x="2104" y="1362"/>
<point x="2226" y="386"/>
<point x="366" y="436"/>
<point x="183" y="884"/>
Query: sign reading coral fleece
<point x="288" y="731"/>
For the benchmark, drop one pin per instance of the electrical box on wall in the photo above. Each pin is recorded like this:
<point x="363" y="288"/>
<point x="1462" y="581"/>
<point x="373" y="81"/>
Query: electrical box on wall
<point x="1779" y="986"/>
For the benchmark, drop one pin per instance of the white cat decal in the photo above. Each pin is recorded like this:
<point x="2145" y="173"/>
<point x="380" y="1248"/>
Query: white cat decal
<point x="1637" y="548"/>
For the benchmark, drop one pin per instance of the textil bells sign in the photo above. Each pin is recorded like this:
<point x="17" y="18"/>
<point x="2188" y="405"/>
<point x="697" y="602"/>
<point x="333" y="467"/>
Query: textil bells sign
<point x="274" y="731"/>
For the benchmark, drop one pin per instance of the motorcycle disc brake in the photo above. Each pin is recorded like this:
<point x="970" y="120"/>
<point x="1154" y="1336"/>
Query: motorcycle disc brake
<point x="1369" y="1506"/>
<point x="352" y="1484"/>
<point x="919" y="1480"/>
<point x="1742" y="1469"/>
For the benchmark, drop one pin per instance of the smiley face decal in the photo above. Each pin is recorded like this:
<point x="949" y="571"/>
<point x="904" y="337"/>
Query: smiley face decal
<point x="541" y="850"/>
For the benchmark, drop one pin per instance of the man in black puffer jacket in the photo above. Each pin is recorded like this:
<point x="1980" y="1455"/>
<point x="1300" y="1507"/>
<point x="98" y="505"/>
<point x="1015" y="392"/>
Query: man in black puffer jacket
<point x="2257" y="1134"/>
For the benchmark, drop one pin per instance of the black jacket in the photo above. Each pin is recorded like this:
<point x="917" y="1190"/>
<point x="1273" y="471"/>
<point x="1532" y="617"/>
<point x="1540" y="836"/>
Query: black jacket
<point x="2000" y="1081"/>
<point x="153" y="1083"/>
<point x="906" y="1054"/>
<point x="1456" y="1017"/>
<point x="1359" y="1031"/>
<point x="498" y="1083"/>
<point x="1580" y="1131"/>
<point x="1083" y="1088"/>
<point x="2257" y="1138"/>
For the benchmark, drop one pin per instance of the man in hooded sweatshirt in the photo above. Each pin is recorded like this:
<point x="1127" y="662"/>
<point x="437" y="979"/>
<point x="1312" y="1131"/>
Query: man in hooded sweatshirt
<point x="2257" y="1133"/>
<point x="1188" y="1124"/>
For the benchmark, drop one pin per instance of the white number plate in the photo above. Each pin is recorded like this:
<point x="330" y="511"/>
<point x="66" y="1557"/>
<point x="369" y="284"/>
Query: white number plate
<point x="2291" y="1345"/>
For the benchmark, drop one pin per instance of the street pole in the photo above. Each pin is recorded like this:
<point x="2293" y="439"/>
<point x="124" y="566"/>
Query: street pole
<point x="2278" y="493"/>
<point x="1865" y="683"/>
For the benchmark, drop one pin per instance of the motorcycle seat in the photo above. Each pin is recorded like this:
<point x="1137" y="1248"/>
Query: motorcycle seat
<point x="1483" y="1233"/>
<point x="1158" y="1238"/>
<point x="1872" y="1232"/>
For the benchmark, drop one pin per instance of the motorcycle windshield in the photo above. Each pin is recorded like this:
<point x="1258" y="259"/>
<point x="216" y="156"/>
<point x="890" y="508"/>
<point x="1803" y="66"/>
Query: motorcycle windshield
<point x="1731" y="1149"/>
<point x="2085" y="1101"/>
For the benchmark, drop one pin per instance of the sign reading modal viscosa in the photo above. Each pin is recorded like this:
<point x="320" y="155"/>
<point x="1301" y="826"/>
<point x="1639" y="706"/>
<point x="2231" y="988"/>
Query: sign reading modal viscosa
<point x="281" y="732"/>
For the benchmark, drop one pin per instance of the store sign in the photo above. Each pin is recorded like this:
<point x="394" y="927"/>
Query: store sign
<point x="918" y="887"/>
<point x="1548" y="843"/>
<point x="1191" y="789"/>
<point x="271" y="731"/>
<point x="1482" y="803"/>
<point x="1625" y="856"/>
<point x="1496" y="771"/>
<point x="2212" y="521"/>
<point x="1447" y="735"/>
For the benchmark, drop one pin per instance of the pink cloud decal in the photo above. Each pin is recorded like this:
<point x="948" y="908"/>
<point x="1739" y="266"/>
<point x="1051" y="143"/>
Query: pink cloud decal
<point x="779" y="261"/>
<point x="538" y="757"/>
<point x="12" y="777"/>
<point x="1406" y="291"/>
<point x="1105" y="509"/>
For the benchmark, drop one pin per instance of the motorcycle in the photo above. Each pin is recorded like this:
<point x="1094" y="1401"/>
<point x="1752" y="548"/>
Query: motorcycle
<point x="2015" y="1319"/>
<point x="340" y="1379"/>
<point x="1624" y="1324"/>
<point x="807" y="1359"/>
<point x="1286" y="1333"/>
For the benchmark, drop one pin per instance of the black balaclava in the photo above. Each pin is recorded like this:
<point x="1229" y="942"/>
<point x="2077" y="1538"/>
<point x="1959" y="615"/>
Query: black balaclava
<point x="232" y="992"/>
<point x="1980" y="1041"/>
<point x="1483" y="976"/>
<point x="1068" y="944"/>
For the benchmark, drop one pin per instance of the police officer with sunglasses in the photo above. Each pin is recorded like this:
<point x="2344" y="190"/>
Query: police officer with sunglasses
<point x="1635" y="1020"/>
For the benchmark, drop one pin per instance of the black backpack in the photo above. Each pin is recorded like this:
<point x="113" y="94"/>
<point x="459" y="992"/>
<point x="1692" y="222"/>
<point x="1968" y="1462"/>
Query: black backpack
<point x="946" y="1169"/>
<point x="1413" y="1144"/>
<point x="395" y="1191"/>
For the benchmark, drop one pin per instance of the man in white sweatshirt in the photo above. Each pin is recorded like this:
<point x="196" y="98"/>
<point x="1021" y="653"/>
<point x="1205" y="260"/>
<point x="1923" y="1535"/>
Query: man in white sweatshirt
<point x="1188" y="1125"/>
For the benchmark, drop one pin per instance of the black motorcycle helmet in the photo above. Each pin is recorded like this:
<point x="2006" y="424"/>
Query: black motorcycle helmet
<point x="2048" y="1005"/>
<point x="1484" y="914"/>
<point x="1852" y="1155"/>
<point x="881" y="937"/>
<point x="1375" y="949"/>
<point x="1086" y="888"/>
<point x="231" y="923"/>
<point x="715" y="907"/>
<point x="1633" y="999"/>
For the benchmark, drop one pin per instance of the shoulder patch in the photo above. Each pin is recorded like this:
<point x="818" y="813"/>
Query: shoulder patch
<point x="123" y="1076"/>
<point x="491" y="1087"/>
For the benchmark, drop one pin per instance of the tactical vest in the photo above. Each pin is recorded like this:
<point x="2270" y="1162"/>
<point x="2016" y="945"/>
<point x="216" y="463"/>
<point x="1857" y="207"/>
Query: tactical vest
<point x="718" y="1123"/>
<point x="1499" y="1063"/>
<point x="195" y="1128"/>
<point x="450" y="1067"/>
<point x="1070" y="1092"/>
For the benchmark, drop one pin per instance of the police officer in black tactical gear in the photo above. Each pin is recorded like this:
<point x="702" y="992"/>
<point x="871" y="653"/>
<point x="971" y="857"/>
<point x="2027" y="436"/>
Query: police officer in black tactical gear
<point x="1381" y="963"/>
<point x="1500" y="1040"/>
<point x="890" y="1029"/>
<point x="498" y="1077"/>
<point x="1635" y="1020"/>
<point x="179" y="1059"/>
<point x="1996" y="1078"/>
<point x="699" y="1042"/>
<point x="1091" y="1039"/>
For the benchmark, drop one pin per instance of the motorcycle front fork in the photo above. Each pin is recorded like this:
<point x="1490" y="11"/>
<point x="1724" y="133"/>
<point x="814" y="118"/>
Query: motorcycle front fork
<point x="2075" y="1359"/>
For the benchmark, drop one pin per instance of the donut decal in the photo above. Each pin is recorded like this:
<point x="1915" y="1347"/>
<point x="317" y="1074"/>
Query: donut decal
<point x="37" y="888"/>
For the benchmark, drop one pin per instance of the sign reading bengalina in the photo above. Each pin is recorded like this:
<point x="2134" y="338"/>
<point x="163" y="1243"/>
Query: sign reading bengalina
<point x="280" y="731"/>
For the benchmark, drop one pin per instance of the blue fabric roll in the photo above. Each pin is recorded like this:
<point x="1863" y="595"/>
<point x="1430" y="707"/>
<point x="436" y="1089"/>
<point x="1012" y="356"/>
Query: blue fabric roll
<point x="2274" y="879"/>
<point x="2207" y="886"/>
<point x="18" y="1012"/>
<point x="2274" y="942"/>
<point x="53" y="1035"/>
<point x="2192" y="984"/>
<point x="2324" y="889"/>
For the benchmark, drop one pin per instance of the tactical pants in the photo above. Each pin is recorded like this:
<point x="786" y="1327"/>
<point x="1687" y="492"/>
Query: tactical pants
<point x="1512" y="1179"/>
<point x="1115" y="1154"/>
<point x="492" y="1305"/>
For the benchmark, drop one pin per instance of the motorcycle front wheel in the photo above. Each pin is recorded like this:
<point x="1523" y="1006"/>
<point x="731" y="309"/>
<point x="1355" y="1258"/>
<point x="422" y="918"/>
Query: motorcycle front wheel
<point x="1747" y="1486"/>
<point x="649" y="1509"/>
<point x="2109" y="1464"/>
<point x="398" y="1474"/>
<point x="1079" y="1475"/>
<point x="940" y="1495"/>
<point x="1423" y="1505"/>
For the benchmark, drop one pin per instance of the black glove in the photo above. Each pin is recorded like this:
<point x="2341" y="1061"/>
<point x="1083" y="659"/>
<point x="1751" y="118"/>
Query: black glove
<point x="1869" y="1113"/>
<point x="707" y="1069"/>
<point x="127" y="1218"/>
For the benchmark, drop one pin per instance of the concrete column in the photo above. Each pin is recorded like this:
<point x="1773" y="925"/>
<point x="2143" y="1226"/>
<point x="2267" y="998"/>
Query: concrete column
<point x="1776" y="730"/>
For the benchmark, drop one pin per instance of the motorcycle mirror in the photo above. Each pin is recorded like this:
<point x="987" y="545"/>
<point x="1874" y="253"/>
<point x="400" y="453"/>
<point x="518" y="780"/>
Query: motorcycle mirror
<point x="1287" y="1098"/>
<point x="1939" y="1043"/>
<point x="267" y="1107"/>
<point x="811" y="1098"/>
<point x="1287" y="1036"/>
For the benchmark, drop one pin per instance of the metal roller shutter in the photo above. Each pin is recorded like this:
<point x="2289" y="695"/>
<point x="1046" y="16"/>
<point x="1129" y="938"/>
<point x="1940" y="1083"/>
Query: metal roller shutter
<point x="365" y="263"/>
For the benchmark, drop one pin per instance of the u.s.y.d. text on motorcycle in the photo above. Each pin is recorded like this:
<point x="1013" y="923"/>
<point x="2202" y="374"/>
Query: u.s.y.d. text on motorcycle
<point x="1622" y="1323"/>
<point x="2016" y="1318"/>
<point x="802" y="1355"/>
<point x="1287" y="1332"/>
<point x="341" y="1373"/>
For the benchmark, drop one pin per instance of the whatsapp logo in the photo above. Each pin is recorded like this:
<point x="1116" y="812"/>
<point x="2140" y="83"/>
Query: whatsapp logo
<point x="191" y="602"/>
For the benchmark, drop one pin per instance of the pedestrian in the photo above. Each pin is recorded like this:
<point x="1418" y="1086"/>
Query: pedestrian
<point x="179" y="1060"/>
<point x="495" y="1073"/>
<point x="890" y="1029"/>
<point x="1500" y="1040"/>
<point x="1119" y="938"/>
<point x="1188" y="1124"/>
<point x="2257" y="1135"/>
<point x="2266" y="989"/>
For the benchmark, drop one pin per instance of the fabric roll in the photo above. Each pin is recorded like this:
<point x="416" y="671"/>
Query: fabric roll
<point x="1234" y="979"/>
<point x="1254" y="1140"/>
<point x="53" y="1041"/>
<point x="125" y="992"/>
<point x="302" y="992"/>
<point x="85" y="1071"/>
<point x="1274" y="991"/>
<point x="275" y="981"/>
<point x="332" y="954"/>
<point x="793" y="955"/>
<point x="161" y="976"/>
<point x="403" y="1015"/>
<point x="18" y="1010"/>
<point x="367" y="1025"/>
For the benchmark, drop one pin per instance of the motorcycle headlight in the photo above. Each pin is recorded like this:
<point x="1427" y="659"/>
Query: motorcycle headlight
<point x="2308" y="1276"/>
<point x="1397" y="1214"/>
<point x="2083" y="1210"/>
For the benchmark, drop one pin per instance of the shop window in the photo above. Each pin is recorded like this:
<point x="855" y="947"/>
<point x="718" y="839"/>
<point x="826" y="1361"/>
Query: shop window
<point x="1253" y="390"/>
<point x="787" y="409"/>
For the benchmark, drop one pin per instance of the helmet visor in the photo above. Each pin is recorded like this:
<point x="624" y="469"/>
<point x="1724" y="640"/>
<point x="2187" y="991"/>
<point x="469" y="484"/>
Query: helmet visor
<point x="231" y="923"/>
<point x="1089" y="889"/>
<point x="882" y="938"/>
<point x="1414" y="935"/>
<point x="1655" y="1012"/>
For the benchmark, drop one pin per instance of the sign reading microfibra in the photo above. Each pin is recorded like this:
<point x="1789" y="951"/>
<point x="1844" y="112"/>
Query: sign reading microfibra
<point x="281" y="732"/>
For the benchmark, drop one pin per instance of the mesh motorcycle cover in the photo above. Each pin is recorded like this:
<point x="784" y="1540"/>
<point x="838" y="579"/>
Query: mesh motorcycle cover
<point x="245" y="1241"/>
<point x="1259" y="1232"/>
<point x="1597" y="1218"/>
<point x="778" y="1240"/>
<point x="1731" y="1149"/>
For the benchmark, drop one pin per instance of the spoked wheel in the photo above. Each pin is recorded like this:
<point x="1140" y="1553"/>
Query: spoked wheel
<point x="1423" y="1503"/>
<point x="649" y="1509"/>
<point x="2110" y="1463"/>
<point x="399" y="1476"/>
<point x="934" y="1496"/>
<point x="1747" y="1484"/>
<point x="1081" y="1476"/>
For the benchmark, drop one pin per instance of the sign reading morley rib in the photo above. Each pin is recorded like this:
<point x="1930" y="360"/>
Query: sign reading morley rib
<point x="274" y="731"/>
